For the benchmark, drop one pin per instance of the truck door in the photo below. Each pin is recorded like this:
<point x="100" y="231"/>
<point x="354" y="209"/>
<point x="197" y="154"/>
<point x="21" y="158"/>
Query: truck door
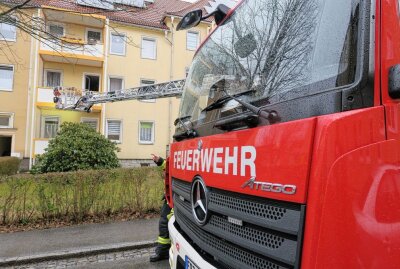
<point x="390" y="58"/>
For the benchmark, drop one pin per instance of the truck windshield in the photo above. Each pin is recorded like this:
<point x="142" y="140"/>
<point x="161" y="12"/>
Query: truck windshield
<point x="277" y="50"/>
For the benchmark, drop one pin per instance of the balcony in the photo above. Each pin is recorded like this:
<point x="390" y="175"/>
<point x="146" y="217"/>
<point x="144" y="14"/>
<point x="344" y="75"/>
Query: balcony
<point x="72" y="52"/>
<point x="45" y="97"/>
<point x="68" y="98"/>
<point x="70" y="17"/>
<point x="39" y="146"/>
<point x="73" y="44"/>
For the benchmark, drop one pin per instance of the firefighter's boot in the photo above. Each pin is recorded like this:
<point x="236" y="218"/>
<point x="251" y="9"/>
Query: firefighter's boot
<point x="162" y="250"/>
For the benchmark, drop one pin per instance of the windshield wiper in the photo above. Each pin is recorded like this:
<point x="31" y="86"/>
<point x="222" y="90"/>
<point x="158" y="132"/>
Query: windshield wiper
<point x="271" y="116"/>
<point x="188" y="133"/>
<point x="180" y="119"/>
<point x="223" y="100"/>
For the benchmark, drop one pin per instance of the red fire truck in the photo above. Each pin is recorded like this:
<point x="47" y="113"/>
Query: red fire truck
<point x="287" y="146"/>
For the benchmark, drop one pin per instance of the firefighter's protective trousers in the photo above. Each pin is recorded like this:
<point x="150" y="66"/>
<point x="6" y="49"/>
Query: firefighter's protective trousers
<point x="163" y="241"/>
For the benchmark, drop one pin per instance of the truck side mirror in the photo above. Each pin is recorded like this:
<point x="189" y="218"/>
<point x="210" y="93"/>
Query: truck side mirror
<point x="193" y="18"/>
<point x="394" y="81"/>
<point x="190" y="20"/>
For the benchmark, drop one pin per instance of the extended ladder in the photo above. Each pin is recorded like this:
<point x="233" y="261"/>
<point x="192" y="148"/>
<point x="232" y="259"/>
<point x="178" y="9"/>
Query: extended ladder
<point x="68" y="98"/>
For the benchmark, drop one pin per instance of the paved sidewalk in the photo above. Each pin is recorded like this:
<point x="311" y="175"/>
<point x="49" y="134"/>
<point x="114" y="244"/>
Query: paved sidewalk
<point x="77" y="240"/>
<point x="130" y="259"/>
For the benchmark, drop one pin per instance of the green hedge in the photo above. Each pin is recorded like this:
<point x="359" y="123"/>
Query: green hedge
<point x="9" y="165"/>
<point x="77" y="195"/>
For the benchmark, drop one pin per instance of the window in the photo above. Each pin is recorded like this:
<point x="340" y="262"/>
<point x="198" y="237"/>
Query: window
<point x="115" y="84"/>
<point x="318" y="66"/>
<point x="192" y="40"/>
<point x="6" y="77"/>
<point x="93" y="36"/>
<point x="117" y="44"/>
<point x="144" y="82"/>
<point x="149" y="48"/>
<point x="6" y="120"/>
<point x="92" y="83"/>
<point x="8" y="32"/>
<point x="146" y="132"/>
<point x="91" y="122"/>
<point x="56" y="29"/>
<point x="52" y="78"/>
<point x="50" y="126"/>
<point x="114" y="130"/>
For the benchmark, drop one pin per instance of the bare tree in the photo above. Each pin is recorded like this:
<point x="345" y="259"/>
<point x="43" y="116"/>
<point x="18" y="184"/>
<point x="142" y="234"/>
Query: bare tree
<point x="16" y="14"/>
<point x="269" y="43"/>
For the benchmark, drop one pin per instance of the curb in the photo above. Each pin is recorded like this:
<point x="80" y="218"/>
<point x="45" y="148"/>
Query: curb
<point x="75" y="253"/>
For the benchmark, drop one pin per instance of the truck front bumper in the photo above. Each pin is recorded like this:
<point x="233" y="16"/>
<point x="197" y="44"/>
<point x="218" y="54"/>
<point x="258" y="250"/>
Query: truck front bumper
<point x="183" y="251"/>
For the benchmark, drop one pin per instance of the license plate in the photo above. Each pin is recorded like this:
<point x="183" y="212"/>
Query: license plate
<point x="189" y="264"/>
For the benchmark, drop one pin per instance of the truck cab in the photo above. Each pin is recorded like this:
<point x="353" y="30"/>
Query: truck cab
<point x="287" y="146"/>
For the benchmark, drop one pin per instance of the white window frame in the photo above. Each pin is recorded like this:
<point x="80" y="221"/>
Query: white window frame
<point x="198" y="39"/>
<point x="94" y="30"/>
<point x="2" y="38"/>
<point x="116" y="53"/>
<point x="152" y="133"/>
<point x="90" y="74"/>
<point x="117" y="77"/>
<point x="120" y="131"/>
<point x="12" y="84"/>
<point x="148" y="100"/>
<point x="56" y="24"/>
<point x="148" y="38"/>
<point x="55" y="71"/>
<point x="42" y="125"/>
<point x="85" y="119"/>
<point x="11" y="121"/>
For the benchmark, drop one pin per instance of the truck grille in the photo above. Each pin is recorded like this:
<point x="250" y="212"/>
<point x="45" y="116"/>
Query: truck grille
<point x="268" y="235"/>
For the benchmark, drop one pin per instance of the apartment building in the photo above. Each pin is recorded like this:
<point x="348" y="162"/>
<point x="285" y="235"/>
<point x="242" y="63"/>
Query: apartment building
<point x="15" y="62"/>
<point x="97" y="46"/>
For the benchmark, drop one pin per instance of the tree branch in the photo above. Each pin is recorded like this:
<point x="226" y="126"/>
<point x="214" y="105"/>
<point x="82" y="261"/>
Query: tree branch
<point x="14" y="8"/>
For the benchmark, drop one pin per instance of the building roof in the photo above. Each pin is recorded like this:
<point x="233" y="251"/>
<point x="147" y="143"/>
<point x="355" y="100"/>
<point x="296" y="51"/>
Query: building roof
<point x="152" y="15"/>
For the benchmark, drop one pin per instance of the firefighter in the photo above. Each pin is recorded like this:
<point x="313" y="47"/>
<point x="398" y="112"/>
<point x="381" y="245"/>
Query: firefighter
<point x="163" y="241"/>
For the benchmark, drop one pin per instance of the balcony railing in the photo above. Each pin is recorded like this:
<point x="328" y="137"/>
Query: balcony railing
<point x="40" y="146"/>
<point x="44" y="95"/>
<point x="73" y="48"/>
<point x="66" y="97"/>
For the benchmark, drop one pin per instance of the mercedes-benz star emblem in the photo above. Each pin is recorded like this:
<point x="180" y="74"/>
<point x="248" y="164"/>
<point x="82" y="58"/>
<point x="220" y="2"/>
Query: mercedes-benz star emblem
<point x="199" y="201"/>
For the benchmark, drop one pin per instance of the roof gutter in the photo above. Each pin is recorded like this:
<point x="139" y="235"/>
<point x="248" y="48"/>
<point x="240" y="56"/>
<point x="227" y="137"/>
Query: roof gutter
<point x="140" y="26"/>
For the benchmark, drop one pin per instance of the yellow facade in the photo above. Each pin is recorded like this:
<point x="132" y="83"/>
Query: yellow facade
<point x="72" y="75"/>
<point x="171" y="63"/>
<point x="14" y="101"/>
<point x="35" y="116"/>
